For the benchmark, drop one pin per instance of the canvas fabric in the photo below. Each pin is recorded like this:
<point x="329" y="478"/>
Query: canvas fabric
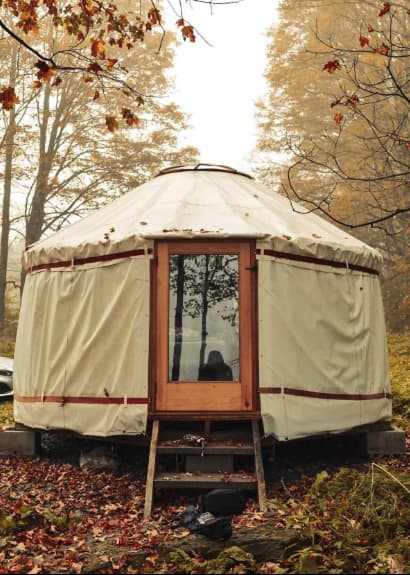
<point x="321" y="330"/>
<point x="84" y="334"/>
<point x="201" y="204"/>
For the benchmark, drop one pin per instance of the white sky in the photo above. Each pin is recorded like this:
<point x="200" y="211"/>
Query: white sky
<point x="217" y="85"/>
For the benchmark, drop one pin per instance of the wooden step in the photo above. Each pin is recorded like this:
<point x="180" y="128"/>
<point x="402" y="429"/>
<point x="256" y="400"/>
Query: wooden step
<point x="209" y="457"/>
<point x="212" y="448"/>
<point x="185" y="480"/>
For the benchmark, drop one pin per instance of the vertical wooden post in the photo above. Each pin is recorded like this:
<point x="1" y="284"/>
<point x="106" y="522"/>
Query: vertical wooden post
<point x="260" y="475"/>
<point x="207" y="428"/>
<point x="149" y="486"/>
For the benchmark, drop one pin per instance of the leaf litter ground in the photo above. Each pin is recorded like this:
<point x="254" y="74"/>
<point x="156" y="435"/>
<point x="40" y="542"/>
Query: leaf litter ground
<point x="58" y="518"/>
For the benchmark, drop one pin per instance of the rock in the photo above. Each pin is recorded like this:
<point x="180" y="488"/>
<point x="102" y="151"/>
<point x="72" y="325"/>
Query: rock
<point x="240" y="553"/>
<point x="101" y="457"/>
<point x="264" y="543"/>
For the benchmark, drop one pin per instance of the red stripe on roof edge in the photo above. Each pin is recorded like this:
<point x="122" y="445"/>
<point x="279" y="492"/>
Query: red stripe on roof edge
<point x="87" y="400"/>
<point x="322" y="395"/>
<point x="92" y="259"/>
<point x="140" y="252"/>
<point x="318" y="261"/>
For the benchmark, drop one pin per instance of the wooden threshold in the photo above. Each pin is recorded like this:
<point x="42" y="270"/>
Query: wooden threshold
<point x="205" y="415"/>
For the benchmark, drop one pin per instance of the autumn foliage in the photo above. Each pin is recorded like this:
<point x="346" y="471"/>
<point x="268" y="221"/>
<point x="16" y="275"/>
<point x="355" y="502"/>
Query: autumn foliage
<point x="94" y="35"/>
<point x="8" y="98"/>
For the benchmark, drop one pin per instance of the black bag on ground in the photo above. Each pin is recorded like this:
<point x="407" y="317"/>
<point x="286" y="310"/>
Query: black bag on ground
<point x="215" y="527"/>
<point x="204" y="523"/>
<point x="222" y="502"/>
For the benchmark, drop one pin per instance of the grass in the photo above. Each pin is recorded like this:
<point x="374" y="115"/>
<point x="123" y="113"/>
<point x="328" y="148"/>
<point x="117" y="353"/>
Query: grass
<point x="399" y="347"/>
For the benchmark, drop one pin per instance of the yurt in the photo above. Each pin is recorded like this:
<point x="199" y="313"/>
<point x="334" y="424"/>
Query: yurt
<point x="201" y="294"/>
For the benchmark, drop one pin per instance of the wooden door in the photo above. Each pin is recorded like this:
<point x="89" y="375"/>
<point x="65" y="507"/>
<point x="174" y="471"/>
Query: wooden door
<point x="203" y="358"/>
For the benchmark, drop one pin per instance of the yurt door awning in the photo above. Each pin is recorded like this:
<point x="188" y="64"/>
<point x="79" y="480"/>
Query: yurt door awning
<point x="204" y="310"/>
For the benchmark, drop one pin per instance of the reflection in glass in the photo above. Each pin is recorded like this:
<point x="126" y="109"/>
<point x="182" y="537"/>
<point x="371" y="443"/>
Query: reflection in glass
<point x="204" y="317"/>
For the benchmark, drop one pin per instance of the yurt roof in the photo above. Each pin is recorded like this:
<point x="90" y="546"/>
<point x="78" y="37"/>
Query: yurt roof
<point x="204" y="201"/>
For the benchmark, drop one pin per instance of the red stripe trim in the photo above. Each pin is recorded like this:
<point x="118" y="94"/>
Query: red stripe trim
<point x="320" y="395"/>
<point x="318" y="261"/>
<point x="90" y="260"/>
<point x="88" y="400"/>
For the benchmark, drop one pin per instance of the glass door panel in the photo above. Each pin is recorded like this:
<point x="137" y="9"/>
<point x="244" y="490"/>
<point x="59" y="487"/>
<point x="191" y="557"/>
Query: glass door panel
<point x="204" y="317"/>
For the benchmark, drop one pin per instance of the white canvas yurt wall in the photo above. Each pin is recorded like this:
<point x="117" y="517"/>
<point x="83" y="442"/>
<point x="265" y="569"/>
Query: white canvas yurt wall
<point x="81" y="360"/>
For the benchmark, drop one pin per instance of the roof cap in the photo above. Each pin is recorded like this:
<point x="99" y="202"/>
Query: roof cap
<point x="203" y="168"/>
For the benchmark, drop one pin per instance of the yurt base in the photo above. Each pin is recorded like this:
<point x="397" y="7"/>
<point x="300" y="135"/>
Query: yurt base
<point x="216" y="453"/>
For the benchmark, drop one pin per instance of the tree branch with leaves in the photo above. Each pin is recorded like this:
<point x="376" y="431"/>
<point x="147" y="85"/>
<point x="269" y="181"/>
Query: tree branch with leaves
<point x="368" y="151"/>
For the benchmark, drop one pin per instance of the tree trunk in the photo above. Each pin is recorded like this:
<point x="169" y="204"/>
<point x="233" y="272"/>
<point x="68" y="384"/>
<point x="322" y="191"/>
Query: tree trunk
<point x="5" y="217"/>
<point x="176" y="361"/>
<point x="205" y="305"/>
<point x="35" y="219"/>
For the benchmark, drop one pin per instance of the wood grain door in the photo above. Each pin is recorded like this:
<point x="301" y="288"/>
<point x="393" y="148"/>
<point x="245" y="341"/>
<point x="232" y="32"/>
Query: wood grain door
<point x="203" y="352"/>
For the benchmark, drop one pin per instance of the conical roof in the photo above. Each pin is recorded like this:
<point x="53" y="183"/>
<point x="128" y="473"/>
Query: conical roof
<point x="204" y="201"/>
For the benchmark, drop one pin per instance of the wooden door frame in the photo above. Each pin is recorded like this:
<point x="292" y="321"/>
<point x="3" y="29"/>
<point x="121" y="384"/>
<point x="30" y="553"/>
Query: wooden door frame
<point x="158" y="353"/>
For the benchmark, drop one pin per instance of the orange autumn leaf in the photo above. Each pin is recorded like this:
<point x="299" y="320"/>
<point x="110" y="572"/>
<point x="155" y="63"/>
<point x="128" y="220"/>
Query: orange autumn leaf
<point x="8" y="98"/>
<point x="154" y="16"/>
<point x="111" y="63"/>
<point x="111" y="123"/>
<point x="28" y="18"/>
<point x="188" y="32"/>
<point x="98" y="48"/>
<point x="384" y="49"/>
<point x="338" y="118"/>
<point x="180" y="22"/>
<point x="134" y="121"/>
<point x="332" y="66"/>
<point x="94" y="67"/>
<point x="129" y="117"/>
<point x="353" y="101"/>
<point x="385" y="9"/>
<point x="363" y="41"/>
<point x="45" y="73"/>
